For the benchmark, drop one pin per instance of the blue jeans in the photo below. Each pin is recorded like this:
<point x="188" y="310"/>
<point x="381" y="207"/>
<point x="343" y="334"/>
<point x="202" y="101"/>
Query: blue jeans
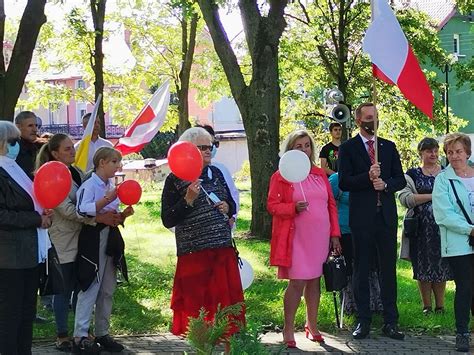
<point x="61" y="301"/>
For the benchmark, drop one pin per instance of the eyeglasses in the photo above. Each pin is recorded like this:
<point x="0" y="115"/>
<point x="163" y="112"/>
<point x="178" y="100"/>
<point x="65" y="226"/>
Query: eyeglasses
<point x="203" y="148"/>
<point x="13" y="141"/>
<point x="215" y="144"/>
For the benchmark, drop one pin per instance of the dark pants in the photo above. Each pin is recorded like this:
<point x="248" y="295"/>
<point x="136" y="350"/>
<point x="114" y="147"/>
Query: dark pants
<point x="346" y="244"/>
<point x="380" y="239"/>
<point x="461" y="267"/>
<point x="18" y="290"/>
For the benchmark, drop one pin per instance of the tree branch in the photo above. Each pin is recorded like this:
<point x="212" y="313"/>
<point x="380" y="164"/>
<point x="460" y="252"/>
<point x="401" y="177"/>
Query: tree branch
<point x="2" y="36"/>
<point x="251" y="18"/>
<point x="326" y="61"/>
<point x="223" y="48"/>
<point x="351" y="71"/>
<point x="297" y="19"/>
<point x="185" y="72"/>
<point x="277" y="20"/>
<point x="328" y="22"/>
<point x="305" y="12"/>
<point x="30" y="24"/>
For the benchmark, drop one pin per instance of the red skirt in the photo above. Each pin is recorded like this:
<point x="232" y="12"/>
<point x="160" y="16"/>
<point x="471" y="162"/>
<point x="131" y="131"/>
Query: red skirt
<point x="206" y="279"/>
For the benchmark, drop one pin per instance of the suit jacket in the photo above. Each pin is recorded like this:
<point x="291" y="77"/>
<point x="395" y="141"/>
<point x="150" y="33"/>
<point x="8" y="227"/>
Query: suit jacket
<point x="354" y="165"/>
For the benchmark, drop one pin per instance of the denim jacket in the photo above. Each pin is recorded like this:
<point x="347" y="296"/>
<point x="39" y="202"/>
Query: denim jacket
<point x="453" y="226"/>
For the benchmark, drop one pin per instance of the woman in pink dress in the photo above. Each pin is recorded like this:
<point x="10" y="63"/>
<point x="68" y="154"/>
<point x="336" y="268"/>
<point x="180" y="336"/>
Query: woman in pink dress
<point x="305" y="226"/>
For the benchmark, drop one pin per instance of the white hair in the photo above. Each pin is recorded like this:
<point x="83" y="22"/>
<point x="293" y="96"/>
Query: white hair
<point x="193" y="134"/>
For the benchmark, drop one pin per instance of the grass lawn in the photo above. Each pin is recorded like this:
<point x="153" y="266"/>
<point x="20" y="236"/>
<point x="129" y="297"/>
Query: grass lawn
<point x="142" y="306"/>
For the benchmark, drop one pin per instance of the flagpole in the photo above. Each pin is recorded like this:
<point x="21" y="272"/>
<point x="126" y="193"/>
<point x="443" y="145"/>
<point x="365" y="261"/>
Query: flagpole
<point x="374" y="98"/>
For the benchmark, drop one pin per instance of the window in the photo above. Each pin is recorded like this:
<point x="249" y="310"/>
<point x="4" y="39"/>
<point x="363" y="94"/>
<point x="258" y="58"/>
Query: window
<point x="81" y="110"/>
<point x="456" y="49"/>
<point x="80" y="84"/>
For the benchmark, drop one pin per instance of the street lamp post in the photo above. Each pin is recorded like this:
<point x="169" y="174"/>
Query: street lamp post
<point x="448" y="67"/>
<point x="446" y="70"/>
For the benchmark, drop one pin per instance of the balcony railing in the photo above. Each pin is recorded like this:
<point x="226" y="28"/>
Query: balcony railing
<point x="76" y="131"/>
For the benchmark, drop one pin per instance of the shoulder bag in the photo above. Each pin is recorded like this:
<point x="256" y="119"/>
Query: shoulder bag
<point x="468" y="219"/>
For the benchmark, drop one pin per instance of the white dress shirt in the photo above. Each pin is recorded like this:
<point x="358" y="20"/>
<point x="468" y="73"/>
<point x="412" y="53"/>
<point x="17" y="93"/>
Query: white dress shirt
<point x="100" y="142"/>
<point x="92" y="190"/>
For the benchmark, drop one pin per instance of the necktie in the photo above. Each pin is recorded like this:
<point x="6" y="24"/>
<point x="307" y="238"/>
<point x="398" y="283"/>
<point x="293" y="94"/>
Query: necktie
<point x="371" y="151"/>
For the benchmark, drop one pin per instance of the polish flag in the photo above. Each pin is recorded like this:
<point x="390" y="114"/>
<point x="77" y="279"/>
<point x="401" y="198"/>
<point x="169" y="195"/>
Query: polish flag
<point x="393" y="59"/>
<point x="148" y="122"/>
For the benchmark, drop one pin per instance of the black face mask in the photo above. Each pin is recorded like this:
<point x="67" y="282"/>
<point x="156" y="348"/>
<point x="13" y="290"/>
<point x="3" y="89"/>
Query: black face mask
<point x="368" y="127"/>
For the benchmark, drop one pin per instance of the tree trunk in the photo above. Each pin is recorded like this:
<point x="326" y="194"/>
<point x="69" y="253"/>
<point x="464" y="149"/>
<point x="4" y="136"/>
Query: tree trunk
<point x="98" y="17"/>
<point x="187" y="46"/>
<point x="12" y="80"/>
<point x="261" y="117"/>
<point x="259" y="102"/>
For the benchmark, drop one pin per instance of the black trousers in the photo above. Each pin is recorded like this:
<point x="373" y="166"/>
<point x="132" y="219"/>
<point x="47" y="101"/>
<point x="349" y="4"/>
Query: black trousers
<point x="462" y="270"/>
<point x="18" y="290"/>
<point x="380" y="239"/>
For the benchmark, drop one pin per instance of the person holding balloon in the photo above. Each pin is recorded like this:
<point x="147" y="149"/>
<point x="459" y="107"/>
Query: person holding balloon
<point x="199" y="206"/>
<point x="25" y="244"/>
<point x="100" y="254"/>
<point x="304" y="229"/>
<point x="67" y="224"/>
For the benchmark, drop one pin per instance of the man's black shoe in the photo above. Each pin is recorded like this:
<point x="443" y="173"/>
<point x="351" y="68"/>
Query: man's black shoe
<point x="108" y="343"/>
<point x="462" y="343"/>
<point x="361" y="332"/>
<point x="392" y="331"/>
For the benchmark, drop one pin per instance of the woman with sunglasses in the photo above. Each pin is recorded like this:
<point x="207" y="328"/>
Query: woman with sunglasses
<point x="24" y="245"/>
<point x="207" y="273"/>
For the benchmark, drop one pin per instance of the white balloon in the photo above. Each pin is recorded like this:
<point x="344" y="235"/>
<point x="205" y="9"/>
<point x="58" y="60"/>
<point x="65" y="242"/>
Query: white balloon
<point x="294" y="166"/>
<point x="246" y="273"/>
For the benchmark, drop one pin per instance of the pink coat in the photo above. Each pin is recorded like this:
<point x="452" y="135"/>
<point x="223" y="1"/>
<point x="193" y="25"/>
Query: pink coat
<point x="281" y="206"/>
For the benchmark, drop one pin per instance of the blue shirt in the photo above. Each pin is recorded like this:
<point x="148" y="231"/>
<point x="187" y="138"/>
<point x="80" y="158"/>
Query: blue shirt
<point x="342" y="200"/>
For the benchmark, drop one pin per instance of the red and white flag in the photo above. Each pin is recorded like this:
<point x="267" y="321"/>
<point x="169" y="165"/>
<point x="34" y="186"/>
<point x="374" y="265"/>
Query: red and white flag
<point x="393" y="59"/>
<point x="148" y="122"/>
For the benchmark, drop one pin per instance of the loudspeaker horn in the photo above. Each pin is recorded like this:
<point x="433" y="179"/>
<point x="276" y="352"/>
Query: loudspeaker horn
<point x="340" y="113"/>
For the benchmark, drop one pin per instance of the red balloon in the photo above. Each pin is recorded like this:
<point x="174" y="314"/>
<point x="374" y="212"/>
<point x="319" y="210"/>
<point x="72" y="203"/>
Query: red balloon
<point x="129" y="192"/>
<point x="52" y="184"/>
<point x="185" y="161"/>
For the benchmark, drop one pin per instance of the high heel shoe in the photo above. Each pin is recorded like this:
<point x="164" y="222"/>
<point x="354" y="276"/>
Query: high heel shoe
<point x="291" y="344"/>
<point x="313" y="337"/>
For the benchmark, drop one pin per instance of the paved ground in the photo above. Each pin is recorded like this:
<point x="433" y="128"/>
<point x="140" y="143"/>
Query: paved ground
<point x="335" y="344"/>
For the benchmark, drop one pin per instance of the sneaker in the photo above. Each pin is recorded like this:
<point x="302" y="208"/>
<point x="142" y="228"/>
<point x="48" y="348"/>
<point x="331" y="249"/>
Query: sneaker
<point x="462" y="342"/>
<point x="107" y="343"/>
<point x="85" y="346"/>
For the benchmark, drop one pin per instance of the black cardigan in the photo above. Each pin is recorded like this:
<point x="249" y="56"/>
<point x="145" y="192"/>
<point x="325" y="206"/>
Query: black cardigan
<point x="18" y="223"/>
<point x="87" y="261"/>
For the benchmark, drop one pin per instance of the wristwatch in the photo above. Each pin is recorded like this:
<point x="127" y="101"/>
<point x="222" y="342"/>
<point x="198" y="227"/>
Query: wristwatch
<point x="385" y="187"/>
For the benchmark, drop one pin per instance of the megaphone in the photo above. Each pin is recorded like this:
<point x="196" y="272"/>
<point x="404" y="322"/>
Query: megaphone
<point x="340" y="113"/>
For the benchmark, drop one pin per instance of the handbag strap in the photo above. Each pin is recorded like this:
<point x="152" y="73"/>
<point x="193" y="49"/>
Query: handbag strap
<point x="459" y="202"/>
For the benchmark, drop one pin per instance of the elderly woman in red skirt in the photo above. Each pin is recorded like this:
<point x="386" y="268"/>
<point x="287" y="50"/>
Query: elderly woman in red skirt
<point x="207" y="273"/>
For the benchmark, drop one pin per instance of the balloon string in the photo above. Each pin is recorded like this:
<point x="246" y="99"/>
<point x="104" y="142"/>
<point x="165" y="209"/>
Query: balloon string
<point x="304" y="196"/>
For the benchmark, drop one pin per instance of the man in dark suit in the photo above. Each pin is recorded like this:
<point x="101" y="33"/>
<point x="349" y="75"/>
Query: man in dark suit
<point x="372" y="217"/>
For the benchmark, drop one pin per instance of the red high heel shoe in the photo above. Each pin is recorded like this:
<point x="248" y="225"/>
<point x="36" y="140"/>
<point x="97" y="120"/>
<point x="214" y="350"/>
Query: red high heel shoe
<point x="313" y="337"/>
<point x="291" y="344"/>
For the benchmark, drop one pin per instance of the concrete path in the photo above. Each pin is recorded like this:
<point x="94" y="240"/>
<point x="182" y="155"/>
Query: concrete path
<point x="341" y="343"/>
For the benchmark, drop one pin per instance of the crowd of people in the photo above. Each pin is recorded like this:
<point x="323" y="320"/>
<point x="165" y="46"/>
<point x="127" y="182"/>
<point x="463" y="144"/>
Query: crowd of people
<point x="346" y="206"/>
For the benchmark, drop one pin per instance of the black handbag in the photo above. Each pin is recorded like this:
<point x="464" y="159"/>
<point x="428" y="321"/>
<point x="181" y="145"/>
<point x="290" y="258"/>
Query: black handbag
<point x="51" y="276"/>
<point x="471" y="238"/>
<point x="410" y="226"/>
<point x="335" y="273"/>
